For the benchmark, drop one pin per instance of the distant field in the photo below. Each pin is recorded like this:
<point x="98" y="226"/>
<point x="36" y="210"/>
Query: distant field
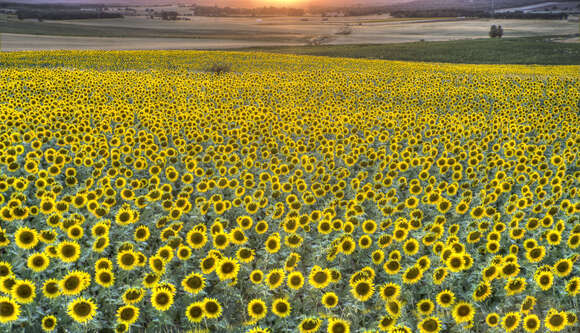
<point x="225" y="33"/>
<point x="526" y="50"/>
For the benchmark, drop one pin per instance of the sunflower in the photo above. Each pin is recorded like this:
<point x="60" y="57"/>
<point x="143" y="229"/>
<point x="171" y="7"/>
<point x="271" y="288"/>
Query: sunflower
<point x="193" y="283"/>
<point x="105" y="278"/>
<point x="553" y="237"/>
<point x="257" y="309"/>
<point x="150" y="280"/>
<point x="510" y="269"/>
<point x="281" y="307"/>
<point x="386" y="322"/>
<point x="446" y="298"/>
<point x="275" y="278"/>
<point x="227" y="268"/>
<point x="272" y="244"/>
<point x="412" y="275"/>
<point x="133" y="296"/>
<point x="74" y="282"/>
<point x="195" y="312"/>
<point x="528" y="304"/>
<point x="463" y="312"/>
<point x="23" y="291"/>
<point x="26" y="238"/>
<point x="9" y="310"/>
<point x="482" y="291"/>
<point x="392" y="267"/>
<point x="48" y="323"/>
<point x="336" y="325"/>
<point x="563" y="267"/>
<point x="394" y="308"/>
<point x="162" y="299"/>
<point x="100" y="244"/>
<point x="347" y="246"/>
<point x="455" y="262"/>
<point x="492" y="319"/>
<point x="295" y="280"/>
<point x="390" y="291"/>
<point x="211" y="308"/>
<point x="378" y="256"/>
<point x="531" y="323"/>
<point x="196" y="238"/>
<point x="510" y="321"/>
<point x="573" y="286"/>
<point x="329" y="300"/>
<point x="82" y="310"/>
<point x="51" y="288"/>
<point x="362" y="290"/>
<point x="411" y="246"/>
<point x="544" y="280"/>
<point x="38" y="262"/>
<point x="536" y="254"/>
<point x="245" y="254"/>
<point x="141" y="234"/>
<point x="256" y="276"/>
<point x="319" y="278"/>
<point x="555" y="321"/>
<point x="309" y="325"/>
<point x="425" y="307"/>
<point x="439" y="275"/>
<point x="128" y="314"/>
<point x="69" y="251"/>
<point x="515" y="286"/>
<point x="429" y="325"/>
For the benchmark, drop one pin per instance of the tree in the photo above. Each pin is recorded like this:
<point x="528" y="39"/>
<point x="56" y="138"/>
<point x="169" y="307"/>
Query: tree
<point x="493" y="31"/>
<point x="499" y="31"/>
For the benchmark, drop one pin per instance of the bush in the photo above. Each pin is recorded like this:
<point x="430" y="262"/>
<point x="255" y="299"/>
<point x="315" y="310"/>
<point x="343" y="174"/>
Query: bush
<point x="220" y="68"/>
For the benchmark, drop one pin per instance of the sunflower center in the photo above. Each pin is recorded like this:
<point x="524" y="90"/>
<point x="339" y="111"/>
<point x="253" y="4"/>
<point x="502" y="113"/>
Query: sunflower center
<point x="531" y="324"/>
<point x="430" y="325"/>
<point x="194" y="282"/>
<point x="413" y="273"/>
<point x="362" y="288"/>
<point x="162" y="299"/>
<point x="26" y="237"/>
<point x="463" y="310"/>
<point x="38" y="262"/>
<point x="105" y="277"/>
<point x="195" y="312"/>
<point x="127" y="313"/>
<point x="556" y="320"/>
<point x="7" y="309"/>
<point x="338" y="328"/>
<point x="320" y="277"/>
<point x="128" y="259"/>
<point x="82" y="309"/>
<point x="24" y="291"/>
<point x="257" y="308"/>
<point x="72" y="283"/>
<point x="68" y="251"/>
<point x="211" y="307"/>
<point x="510" y="321"/>
<point x="227" y="268"/>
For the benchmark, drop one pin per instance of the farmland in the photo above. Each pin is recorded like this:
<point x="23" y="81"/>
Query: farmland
<point x="141" y="190"/>
<point x="138" y="33"/>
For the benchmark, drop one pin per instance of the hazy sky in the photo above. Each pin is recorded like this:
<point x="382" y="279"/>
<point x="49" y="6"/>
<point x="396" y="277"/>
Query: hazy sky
<point x="237" y="3"/>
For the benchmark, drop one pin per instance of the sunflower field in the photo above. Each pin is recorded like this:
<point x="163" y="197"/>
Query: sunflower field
<point x="140" y="192"/>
